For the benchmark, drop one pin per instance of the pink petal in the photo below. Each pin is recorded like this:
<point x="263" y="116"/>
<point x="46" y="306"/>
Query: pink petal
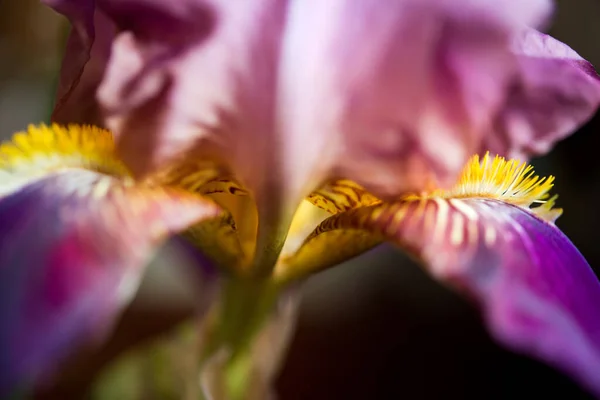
<point x="210" y="89"/>
<point x="399" y="93"/>
<point x="556" y="91"/>
<point x="73" y="247"/>
<point x="357" y="86"/>
<point x="392" y="95"/>
<point x="84" y="63"/>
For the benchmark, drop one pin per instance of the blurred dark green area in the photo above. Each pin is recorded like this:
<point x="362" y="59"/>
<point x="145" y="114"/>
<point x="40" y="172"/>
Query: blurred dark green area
<point x="376" y="327"/>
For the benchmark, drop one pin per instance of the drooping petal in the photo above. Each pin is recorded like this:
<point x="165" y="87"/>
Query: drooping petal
<point x="207" y="88"/>
<point x="556" y="90"/>
<point x="76" y="233"/>
<point x="72" y="249"/>
<point x="538" y="294"/>
<point x="482" y="237"/>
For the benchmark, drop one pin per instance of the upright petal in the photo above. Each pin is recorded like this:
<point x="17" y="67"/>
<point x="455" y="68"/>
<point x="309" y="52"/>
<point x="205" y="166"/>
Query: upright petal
<point x="294" y="81"/>
<point x="207" y="88"/>
<point x="396" y="95"/>
<point x="226" y="79"/>
<point x="555" y="91"/>
<point x="209" y="84"/>
<point x="316" y="89"/>
<point x="392" y="95"/>
<point x="76" y="233"/>
<point x="86" y="55"/>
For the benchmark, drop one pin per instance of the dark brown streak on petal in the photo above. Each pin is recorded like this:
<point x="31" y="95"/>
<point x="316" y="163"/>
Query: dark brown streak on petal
<point x="341" y="195"/>
<point x="218" y="239"/>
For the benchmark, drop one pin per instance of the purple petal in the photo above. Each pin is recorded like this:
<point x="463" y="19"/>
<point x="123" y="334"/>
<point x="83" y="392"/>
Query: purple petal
<point x="73" y="247"/>
<point x="556" y="91"/>
<point x="538" y="294"/>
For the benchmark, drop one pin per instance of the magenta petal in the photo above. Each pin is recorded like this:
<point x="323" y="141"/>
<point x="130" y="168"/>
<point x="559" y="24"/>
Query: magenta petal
<point x="73" y="247"/>
<point x="538" y="294"/>
<point x="555" y="92"/>
<point x="547" y="299"/>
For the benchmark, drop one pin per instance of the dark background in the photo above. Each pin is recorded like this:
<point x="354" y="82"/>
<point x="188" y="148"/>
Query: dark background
<point x="376" y="327"/>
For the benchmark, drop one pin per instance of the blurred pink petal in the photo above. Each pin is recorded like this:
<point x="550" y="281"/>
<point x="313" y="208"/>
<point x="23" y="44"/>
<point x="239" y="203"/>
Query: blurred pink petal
<point x="73" y="247"/>
<point x="557" y="90"/>
<point x="382" y="93"/>
<point x="210" y="90"/>
<point x="538" y="294"/>
<point x="401" y="93"/>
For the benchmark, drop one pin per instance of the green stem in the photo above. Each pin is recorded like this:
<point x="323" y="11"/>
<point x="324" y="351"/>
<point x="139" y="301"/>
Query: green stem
<point x="245" y="307"/>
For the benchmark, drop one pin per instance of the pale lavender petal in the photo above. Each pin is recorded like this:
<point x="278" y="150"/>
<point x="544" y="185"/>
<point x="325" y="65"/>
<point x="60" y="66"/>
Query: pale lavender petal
<point x="315" y="88"/>
<point x="398" y="94"/>
<point x="289" y="93"/>
<point x="73" y="247"/>
<point x="324" y="89"/>
<point x="538" y="294"/>
<point x="209" y="91"/>
<point x="555" y="92"/>
<point x="209" y="87"/>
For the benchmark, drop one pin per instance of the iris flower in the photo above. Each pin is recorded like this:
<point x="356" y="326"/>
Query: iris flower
<point x="283" y="137"/>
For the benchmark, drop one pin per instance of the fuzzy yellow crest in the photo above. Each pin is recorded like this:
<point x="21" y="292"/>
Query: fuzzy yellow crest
<point x="510" y="181"/>
<point x="45" y="149"/>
